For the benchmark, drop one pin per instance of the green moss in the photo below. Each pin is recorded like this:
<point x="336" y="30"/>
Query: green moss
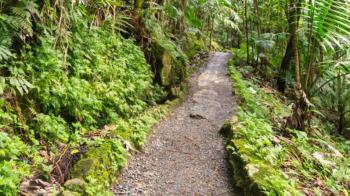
<point x="101" y="162"/>
<point x="169" y="59"/>
<point x="75" y="184"/>
<point x="166" y="69"/>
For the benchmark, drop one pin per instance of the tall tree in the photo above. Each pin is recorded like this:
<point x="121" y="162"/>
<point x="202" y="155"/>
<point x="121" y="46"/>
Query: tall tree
<point x="293" y="15"/>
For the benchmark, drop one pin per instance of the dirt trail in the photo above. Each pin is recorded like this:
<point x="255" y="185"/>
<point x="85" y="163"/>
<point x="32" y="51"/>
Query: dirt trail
<point x="186" y="155"/>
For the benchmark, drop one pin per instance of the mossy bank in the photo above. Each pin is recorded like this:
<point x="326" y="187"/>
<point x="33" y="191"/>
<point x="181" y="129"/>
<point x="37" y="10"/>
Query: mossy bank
<point x="269" y="159"/>
<point x="77" y="95"/>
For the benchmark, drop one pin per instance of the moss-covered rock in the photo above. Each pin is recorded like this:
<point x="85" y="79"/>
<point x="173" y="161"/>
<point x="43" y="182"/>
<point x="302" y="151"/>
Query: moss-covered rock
<point x="100" y="163"/>
<point x="170" y="65"/>
<point x="165" y="73"/>
<point x="241" y="175"/>
<point x="75" y="184"/>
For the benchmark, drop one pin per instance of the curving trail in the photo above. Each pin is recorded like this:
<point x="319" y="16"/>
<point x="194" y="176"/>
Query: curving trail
<point x="186" y="155"/>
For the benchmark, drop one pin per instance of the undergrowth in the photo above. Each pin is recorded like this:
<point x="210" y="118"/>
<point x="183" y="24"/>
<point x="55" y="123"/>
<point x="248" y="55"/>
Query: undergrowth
<point x="270" y="161"/>
<point x="74" y="88"/>
<point x="52" y="96"/>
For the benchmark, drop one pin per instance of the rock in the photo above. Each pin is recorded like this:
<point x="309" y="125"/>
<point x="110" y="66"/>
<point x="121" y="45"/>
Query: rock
<point x="226" y="129"/>
<point x="99" y="163"/>
<point x="166" y="69"/>
<point x="75" y="184"/>
<point x="251" y="169"/>
<point x="35" y="186"/>
<point x="196" y="116"/>
<point x="252" y="90"/>
<point x="321" y="158"/>
<point x="234" y="119"/>
<point x="82" y="168"/>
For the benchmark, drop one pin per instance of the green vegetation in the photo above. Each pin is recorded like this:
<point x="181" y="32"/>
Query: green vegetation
<point x="50" y="97"/>
<point x="82" y="83"/>
<point x="304" y="46"/>
<point x="109" y="151"/>
<point x="78" y="78"/>
<point x="291" y="142"/>
<point x="273" y="161"/>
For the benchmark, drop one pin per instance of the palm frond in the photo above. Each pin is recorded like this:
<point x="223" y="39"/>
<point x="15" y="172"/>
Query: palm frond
<point x="329" y="22"/>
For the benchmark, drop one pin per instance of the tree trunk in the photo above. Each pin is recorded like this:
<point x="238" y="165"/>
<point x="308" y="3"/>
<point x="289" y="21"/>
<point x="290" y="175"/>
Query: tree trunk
<point x="136" y="20"/>
<point x="211" y="31"/>
<point x="256" y="8"/>
<point x="182" y="18"/>
<point x="246" y="28"/>
<point x="295" y="51"/>
<point x="137" y="8"/>
<point x="293" y="17"/>
<point x="341" y="123"/>
<point x="301" y="113"/>
<point x="341" y="103"/>
<point x="183" y="4"/>
<point x="281" y="81"/>
<point x="257" y="15"/>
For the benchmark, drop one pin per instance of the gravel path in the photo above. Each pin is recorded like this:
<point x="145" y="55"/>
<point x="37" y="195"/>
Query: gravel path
<point x="186" y="155"/>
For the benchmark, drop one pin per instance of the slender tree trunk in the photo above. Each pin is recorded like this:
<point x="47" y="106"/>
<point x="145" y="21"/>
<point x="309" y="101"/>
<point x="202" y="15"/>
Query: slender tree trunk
<point x="246" y="28"/>
<point x="183" y="4"/>
<point x="294" y="46"/>
<point x="311" y="49"/>
<point x="137" y="8"/>
<point x="136" y="19"/>
<point x="341" y="122"/>
<point x="293" y="16"/>
<point x="257" y="14"/>
<point x="227" y="38"/>
<point x="301" y="113"/>
<point x="295" y="49"/>
<point x="211" y="31"/>
<point x="182" y="18"/>
<point x="309" y="66"/>
<point x="341" y="104"/>
<point x="258" y="27"/>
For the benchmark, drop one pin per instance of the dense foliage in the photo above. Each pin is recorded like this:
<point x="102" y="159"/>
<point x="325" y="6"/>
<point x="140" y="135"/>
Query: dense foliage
<point x="56" y="95"/>
<point x="82" y="77"/>
<point x="74" y="82"/>
<point x="305" y="47"/>
<point x="276" y="162"/>
<point x="301" y="48"/>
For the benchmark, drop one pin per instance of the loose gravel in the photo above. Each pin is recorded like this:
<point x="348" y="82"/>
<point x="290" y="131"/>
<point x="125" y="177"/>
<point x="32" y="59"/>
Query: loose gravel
<point x="186" y="154"/>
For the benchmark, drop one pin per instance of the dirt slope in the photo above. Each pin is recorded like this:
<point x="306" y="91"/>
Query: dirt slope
<point x="186" y="154"/>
